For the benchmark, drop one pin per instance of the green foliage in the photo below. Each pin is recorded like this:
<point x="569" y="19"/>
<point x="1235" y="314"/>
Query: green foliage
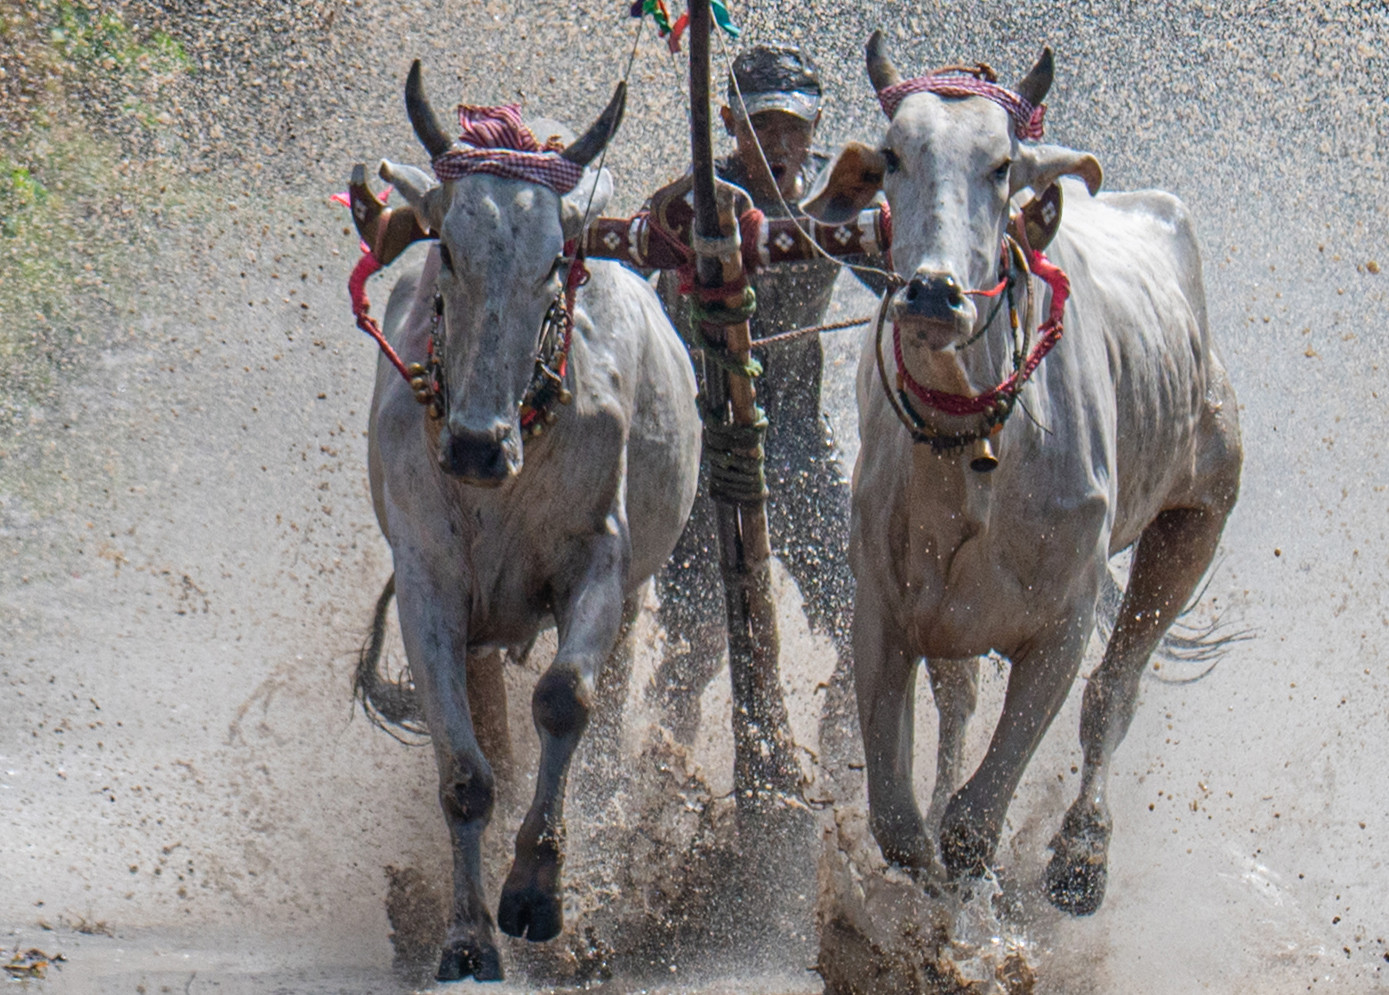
<point x="89" y="40"/>
<point x="20" y="195"/>
<point x="77" y="158"/>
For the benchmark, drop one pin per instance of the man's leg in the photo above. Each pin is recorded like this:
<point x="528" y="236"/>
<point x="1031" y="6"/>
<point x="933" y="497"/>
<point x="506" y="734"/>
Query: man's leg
<point x="692" y="613"/>
<point x="808" y="515"/>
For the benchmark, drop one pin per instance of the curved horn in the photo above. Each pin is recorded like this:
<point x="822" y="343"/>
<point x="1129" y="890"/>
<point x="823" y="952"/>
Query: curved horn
<point x="586" y="147"/>
<point x="881" y="71"/>
<point x="1034" y="86"/>
<point x="427" y="128"/>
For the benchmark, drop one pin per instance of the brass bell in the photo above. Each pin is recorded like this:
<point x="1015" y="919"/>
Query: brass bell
<point x="435" y="411"/>
<point x="551" y="418"/>
<point x="981" y="456"/>
<point x="536" y="430"/>
<point x="415" y="370"/>
<point x="565" y="397"/>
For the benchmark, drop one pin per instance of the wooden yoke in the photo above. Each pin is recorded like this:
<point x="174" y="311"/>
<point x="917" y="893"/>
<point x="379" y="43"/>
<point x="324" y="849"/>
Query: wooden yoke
<point x="765" y="768"/>
<point x="635" y="241"/>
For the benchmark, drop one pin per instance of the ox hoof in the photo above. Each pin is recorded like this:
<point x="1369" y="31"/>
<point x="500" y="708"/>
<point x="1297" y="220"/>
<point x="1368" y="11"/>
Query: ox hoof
<point x="530" y="912"/>
<point x="965" y="849"/>
<point x="1078" y="871"/>
<point x="469" y="959"/>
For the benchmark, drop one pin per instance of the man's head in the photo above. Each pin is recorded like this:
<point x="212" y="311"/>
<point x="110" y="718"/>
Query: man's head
<point x="780" y="105"/>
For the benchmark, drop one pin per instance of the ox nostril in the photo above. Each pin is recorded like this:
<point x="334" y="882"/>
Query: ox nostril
<point x="934" y="291"/>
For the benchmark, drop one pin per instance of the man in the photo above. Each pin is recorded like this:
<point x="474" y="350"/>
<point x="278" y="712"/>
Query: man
<point x="808" y="510"/>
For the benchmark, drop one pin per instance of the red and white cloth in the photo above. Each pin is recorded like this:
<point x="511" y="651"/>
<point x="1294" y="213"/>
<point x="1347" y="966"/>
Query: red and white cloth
<point x="501" y="145"/>
<point x="1027" y="119"/>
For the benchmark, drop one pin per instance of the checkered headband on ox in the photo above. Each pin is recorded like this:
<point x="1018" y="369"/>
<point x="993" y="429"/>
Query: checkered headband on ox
<point x="501" y="145"/>
<point x="1027" y="119"/>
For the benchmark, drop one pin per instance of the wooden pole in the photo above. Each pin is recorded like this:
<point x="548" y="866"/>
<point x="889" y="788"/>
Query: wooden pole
<point x="765" y="763"/>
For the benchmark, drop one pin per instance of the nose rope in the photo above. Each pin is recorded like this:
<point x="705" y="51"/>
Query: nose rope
<point x="1005" y="283"/>
<point x="997" y="402"/>
<point x="991" y="292"/>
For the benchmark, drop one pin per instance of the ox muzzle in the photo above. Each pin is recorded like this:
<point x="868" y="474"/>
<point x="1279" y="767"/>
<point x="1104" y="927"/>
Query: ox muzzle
<point x="935" y="308"/>
<point x="486" y="457"/>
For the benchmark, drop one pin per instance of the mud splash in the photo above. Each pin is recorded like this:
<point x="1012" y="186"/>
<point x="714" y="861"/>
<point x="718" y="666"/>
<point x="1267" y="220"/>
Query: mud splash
<point x="666" y="879"/>
<point x="884" y="933"/>
<point x="418" y="913"/>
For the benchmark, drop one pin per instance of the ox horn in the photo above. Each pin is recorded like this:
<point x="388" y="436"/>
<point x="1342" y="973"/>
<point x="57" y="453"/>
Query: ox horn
<point x="427" y="128"/>
<point x="586" y="147"/>
<point x="881" y="71"/>
<point x="1034" y="86"/>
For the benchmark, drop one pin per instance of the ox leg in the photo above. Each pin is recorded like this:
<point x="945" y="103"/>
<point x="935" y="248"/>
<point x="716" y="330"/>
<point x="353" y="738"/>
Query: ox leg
<point x="615" y="679"/>
<point x="1038" y="683"/>
<point x="588" y="618"/>
<point x="435" y="644"/>
<point x="487" y="706"/>
<point x="885" y="683"/>
<point x="955" y="687"/>
<point x="1173" y="554"/>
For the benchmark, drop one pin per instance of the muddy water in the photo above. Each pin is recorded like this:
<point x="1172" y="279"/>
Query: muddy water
<point x="187" y="800"/>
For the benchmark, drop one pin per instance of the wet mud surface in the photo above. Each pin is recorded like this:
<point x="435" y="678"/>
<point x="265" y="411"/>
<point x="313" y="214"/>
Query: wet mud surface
<point x="188" y="561"/>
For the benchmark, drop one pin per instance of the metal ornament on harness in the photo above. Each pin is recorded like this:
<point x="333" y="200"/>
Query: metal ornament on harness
<point x="546" y="386"/>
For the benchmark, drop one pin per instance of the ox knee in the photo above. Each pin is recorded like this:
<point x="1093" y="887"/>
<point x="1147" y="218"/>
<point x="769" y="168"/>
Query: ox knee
<point x="467" y="795"/>
<point x="562" y="701"/>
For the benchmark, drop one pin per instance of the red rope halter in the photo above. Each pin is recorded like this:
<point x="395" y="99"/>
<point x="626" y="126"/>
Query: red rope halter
<point x="1047" y="336"/>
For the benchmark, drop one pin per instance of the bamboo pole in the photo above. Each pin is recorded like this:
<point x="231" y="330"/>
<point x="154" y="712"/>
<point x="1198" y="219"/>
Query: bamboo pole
<point x="765" y="765"/>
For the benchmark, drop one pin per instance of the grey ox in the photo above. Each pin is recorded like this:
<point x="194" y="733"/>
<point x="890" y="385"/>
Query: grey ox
<point x="1126" y="435"/>
<point x="495" y="538"/>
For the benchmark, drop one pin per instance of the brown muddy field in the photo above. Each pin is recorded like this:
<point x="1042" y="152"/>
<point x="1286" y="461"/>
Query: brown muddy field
<point x="188" y="559"/>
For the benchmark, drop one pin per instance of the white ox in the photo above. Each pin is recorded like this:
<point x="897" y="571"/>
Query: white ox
<point x="1127" y="436"/>
<point x="488" y="551"/>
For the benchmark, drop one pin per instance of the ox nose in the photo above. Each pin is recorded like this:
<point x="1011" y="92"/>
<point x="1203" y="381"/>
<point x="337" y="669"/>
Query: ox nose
<point x="934" y="295"/>
<point x="478" y="457"/>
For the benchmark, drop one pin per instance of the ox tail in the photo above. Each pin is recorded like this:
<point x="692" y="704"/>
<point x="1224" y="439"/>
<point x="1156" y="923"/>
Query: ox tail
<point x="390" y="704"/>
<point x="1184" y="644"/>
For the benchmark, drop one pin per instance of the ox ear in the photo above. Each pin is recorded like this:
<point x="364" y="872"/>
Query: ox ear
<point x="847" y="185"/>
<point x="585" y="202"/>
<point x="422" y="193"/>
<point x="1039" y="166"/>
<point x="412" y="183"/>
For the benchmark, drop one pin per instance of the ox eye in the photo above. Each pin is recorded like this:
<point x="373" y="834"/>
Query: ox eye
<point x="1000" y="172"/>
<point x="445" y="259"/>
<point x="891" y="161"/>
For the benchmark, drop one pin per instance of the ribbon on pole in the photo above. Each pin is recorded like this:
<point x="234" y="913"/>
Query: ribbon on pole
<point x="673" y="31"/>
